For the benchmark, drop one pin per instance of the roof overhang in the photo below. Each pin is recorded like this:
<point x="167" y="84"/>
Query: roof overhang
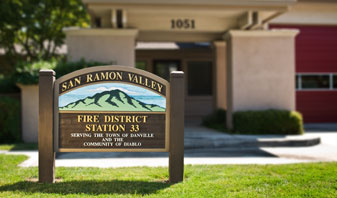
<point x="198" y="2"/>
<point x="186" y="20"/>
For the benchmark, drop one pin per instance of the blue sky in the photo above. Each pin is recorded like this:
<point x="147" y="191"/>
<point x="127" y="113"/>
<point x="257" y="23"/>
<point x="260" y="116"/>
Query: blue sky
<point x="139" y="93"/>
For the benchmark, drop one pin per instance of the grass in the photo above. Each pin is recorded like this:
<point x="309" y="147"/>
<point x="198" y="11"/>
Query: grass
<point x="19" y="146"/>
<point x="295" y="180"/>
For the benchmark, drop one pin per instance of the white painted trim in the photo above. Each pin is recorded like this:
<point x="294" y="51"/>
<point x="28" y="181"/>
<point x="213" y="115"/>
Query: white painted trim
<point x="113" y="18"/>
<point x="100" y="32"/>
<point x="124" y="18"/>
<point x="262" y="33"/>
<point x="219" y="43"/>
<point x="316" y="89"/>
<point x="299" y="81"/>
<point x="316" y="73"/>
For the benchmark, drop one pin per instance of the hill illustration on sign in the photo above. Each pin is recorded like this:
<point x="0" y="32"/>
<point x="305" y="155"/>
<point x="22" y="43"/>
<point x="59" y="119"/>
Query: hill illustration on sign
<point x="112" y="97"/>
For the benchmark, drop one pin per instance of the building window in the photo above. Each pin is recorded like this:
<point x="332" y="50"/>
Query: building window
<point x="163" y="68"/>
<point x="141" y="65"/>
<point x="315" y="82"/>
<point x="326" y="81"/>
<point x="199" y="78"/>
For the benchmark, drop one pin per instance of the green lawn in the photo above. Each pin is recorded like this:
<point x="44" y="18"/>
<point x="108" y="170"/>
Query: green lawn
<point x="296" y="180"/>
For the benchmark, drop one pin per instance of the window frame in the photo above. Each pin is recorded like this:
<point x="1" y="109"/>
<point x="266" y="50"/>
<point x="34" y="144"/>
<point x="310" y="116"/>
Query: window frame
<point x="155" y="61"/>
<point x="332" y="83"/>
<point x="299" y="87"/>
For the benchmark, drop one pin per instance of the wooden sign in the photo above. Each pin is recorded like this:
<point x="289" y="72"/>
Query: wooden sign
<point x="119" y="109"/>
<point x="110" y="109"/>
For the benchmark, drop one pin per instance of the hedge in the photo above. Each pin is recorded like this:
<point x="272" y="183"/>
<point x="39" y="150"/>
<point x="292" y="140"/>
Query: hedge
<point x="257" y="122"/>
<point x="10" y="120"/>
<point x="216" y="120"/>
<point x="268" y="122"/>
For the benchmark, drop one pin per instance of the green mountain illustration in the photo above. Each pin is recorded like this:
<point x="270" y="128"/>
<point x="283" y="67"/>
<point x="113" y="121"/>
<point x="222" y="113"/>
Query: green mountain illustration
<point x="114" y="100"/>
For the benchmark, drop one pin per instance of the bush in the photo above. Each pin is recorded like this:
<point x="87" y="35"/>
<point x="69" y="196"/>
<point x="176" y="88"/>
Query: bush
<point x="268" y="122"/>
<point x="216" y="120"/>
<point x="62" y="68"/>
<point x="10" y="130"/>
<point x="28" y="73"/>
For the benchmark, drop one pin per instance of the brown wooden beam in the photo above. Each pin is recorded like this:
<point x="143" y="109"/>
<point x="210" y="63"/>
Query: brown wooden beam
<point x="176" y="147"/>
<point x="46" y="151"/>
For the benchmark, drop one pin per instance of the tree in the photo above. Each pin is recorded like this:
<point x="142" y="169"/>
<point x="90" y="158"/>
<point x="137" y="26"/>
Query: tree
<point x="33" y="28"/>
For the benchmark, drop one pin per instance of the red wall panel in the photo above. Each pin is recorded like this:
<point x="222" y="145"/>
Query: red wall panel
<point x="317" y="106"/>
<point x="316" y="48"/>
<point x="316" y="52"/>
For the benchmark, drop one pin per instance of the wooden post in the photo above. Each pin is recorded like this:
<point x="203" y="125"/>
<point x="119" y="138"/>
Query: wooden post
<point x="46" y="143"/>
<point x="177" y="99"/>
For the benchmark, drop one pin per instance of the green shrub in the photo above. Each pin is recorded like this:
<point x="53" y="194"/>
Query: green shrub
<point x="63" y="68"/>
<point x="216" y="120"/>
<point x="268" y="122"/>
<point x="10" y="130"/>
<point x="28" y="73"/>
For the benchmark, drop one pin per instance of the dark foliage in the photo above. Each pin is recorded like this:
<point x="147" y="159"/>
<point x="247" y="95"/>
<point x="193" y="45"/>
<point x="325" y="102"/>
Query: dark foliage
<point x="216" y="120"/>
<point x="10" y="131"/>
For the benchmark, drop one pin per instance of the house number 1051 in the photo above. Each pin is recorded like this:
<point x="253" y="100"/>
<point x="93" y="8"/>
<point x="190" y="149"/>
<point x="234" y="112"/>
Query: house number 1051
<point x="182" y="24"/>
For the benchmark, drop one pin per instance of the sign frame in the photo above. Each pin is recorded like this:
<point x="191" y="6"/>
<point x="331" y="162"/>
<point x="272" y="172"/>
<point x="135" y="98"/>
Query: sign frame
<point x="109" y="68"/>
<point x="49" y="112"/>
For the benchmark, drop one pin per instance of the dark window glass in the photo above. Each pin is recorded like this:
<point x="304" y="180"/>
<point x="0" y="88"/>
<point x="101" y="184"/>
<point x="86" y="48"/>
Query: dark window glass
<point x="334" y="81"/>
<point x="199" y="78"/>
<point x="141" y="65"/>
<point x="296" y="80"/>
<point x="315" y="82"/>
<point x="98" y="22"/>
<point x="119" y="16"/>
<point x="164" y="68"/>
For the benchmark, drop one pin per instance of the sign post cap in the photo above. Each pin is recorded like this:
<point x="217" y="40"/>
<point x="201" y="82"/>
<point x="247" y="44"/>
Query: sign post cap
<point x="177" y="74"/>
<point x="47" y="72"/>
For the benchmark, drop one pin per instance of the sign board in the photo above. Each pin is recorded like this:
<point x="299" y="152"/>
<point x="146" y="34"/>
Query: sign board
<point x="105" y="109"/>
<point x="110" y="109"/>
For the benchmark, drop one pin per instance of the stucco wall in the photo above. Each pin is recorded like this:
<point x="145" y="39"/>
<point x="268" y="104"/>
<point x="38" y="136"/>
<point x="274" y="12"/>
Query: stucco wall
<point x="110" y="46"/>
<point x="261" y="70"/>
<point x="221" y="74"/>
<point x="29" y="112"/>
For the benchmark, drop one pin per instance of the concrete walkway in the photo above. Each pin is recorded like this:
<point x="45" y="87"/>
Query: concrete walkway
<point x="206" y="146"/>
<point x="200" y="137"/>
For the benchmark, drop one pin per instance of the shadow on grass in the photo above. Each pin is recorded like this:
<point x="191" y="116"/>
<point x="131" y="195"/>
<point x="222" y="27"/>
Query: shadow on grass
<point x="25" y="146"/>
<point x="88" y="187"/>
<point x="190" y="153"/>
<point x="19" y="146"/>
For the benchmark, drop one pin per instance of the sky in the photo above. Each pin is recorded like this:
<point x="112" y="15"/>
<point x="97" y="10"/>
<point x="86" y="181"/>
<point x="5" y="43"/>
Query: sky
<point x="139" y="93"/>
